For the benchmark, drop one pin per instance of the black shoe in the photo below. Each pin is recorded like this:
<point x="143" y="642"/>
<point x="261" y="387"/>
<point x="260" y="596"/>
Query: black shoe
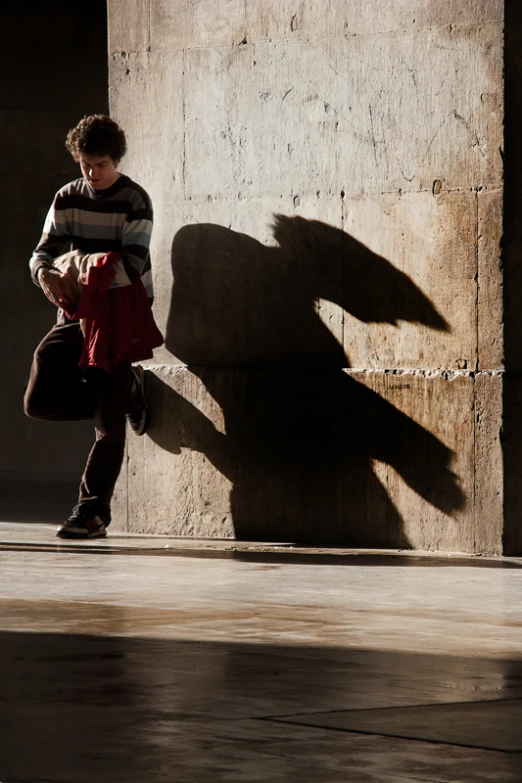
<point x="137" y="408"/>
<point x="84" y="522"/>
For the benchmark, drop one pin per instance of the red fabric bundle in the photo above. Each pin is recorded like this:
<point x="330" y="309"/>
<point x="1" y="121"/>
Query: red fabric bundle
<point x="119" y="321"/>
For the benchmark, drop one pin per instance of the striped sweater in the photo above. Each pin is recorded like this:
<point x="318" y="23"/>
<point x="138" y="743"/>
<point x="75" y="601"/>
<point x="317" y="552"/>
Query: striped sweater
<point x="96" y="221"/>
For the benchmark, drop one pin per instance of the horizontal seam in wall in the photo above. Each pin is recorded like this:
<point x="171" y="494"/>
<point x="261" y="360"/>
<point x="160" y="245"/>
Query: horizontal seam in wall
<point x="338" y="37"/>
<point x="481" y="190"/>
<point x="449" y="374"/>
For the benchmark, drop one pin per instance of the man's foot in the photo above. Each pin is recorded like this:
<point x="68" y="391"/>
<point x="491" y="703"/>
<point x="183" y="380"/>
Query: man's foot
<point x="137" y="408"/>
<point x="84" y="522"/>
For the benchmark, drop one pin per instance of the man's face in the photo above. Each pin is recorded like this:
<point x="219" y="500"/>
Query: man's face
<point x="99" y="170"/>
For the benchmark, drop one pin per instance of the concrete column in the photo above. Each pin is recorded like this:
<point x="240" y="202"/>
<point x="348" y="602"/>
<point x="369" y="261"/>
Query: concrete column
<point x="328" y="187"/>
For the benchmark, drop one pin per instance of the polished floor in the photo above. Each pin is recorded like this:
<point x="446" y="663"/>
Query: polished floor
<point x="148" y="659"/>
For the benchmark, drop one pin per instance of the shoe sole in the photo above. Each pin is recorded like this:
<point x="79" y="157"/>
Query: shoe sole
<point x="62" y="532"/>
<point x="73" y="536"/>
<point x="145" y="425"/>
<point x="145" y="421"/>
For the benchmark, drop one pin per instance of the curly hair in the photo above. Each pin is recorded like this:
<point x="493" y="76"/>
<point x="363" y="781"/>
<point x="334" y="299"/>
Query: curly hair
<point x="97" y="134"/>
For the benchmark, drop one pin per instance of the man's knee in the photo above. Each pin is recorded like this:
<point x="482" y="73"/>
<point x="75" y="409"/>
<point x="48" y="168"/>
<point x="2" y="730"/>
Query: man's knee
<point x="112" y="434"/>
<point x="32" y="401"/>
<point x="31" y="410"/>
<point x="33" y="407"/>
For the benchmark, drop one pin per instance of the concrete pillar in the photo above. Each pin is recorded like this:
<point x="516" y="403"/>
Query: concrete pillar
<point x="328" y="188"/>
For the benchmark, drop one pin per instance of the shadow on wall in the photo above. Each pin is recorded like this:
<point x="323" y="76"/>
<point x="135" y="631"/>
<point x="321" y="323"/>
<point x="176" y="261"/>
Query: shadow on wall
<point x="301" y="434"/>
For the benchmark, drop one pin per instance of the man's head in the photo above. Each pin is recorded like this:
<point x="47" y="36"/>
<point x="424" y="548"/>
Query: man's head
<point x="97" y="144"/>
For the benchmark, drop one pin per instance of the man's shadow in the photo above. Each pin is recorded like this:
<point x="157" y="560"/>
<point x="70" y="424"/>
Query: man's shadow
<point x="301" y="434"/>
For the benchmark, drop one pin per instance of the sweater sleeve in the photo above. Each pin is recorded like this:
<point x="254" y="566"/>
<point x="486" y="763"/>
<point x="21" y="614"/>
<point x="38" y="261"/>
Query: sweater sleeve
<point x="136" y="236"/>
<point x="55" y="241"/>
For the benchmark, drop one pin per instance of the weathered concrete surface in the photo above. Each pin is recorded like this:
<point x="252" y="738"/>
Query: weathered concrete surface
<point x="54" y="65"/>
<point x="195" y="23"/>
<point x="375" y="134"/>
<point x="129" y="25"/>
<point x="305" y="18"/>
<point x="187" y="24"/>
<point x="256" y="114"/>
<point x="490" y="314"/>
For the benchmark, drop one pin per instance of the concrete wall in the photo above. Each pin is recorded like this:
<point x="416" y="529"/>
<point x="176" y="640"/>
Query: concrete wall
<point x="333" y="374"/>
<point x="54" y="70"/>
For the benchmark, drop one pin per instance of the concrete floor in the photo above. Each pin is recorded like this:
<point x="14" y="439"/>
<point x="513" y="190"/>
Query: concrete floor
<point x="147" y="659"/>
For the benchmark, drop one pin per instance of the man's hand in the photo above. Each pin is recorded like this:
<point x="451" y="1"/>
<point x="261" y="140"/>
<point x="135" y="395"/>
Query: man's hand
<point x="57" y="287"/>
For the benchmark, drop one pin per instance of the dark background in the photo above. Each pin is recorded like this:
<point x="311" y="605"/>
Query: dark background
<point x="54" y="66"/>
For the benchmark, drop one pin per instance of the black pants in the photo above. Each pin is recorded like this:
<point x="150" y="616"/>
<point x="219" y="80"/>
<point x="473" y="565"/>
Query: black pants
<point x="59" y="390"/>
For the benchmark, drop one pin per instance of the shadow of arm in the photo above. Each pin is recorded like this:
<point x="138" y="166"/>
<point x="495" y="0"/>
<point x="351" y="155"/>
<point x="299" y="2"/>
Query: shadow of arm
<point x="177" y="424"/>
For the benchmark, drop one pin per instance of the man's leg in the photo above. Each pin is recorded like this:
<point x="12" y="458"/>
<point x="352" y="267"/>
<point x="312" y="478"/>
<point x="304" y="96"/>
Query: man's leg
<point x="110" y="392"/>
<point x="56" y="390"/>
<point x="59" y="390"/>
<point x="92" y="515"/>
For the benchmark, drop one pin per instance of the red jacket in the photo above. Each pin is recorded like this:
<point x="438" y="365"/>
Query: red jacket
<point x="119" y="321"/>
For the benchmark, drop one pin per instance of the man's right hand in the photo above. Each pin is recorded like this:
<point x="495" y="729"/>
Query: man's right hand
<point x="57" y="287"/>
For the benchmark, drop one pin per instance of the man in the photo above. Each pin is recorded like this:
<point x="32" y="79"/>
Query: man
<point x="100" y="212"/>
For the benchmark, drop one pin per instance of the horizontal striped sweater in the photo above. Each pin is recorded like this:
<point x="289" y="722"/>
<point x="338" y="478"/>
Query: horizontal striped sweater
<point x="118" y="218"/>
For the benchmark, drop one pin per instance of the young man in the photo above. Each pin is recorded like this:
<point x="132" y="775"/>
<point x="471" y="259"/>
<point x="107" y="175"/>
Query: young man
<point x="102" y="211"/>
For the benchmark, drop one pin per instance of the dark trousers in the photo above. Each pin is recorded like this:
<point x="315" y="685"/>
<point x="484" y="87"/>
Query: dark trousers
<point x="60" y="390"/>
